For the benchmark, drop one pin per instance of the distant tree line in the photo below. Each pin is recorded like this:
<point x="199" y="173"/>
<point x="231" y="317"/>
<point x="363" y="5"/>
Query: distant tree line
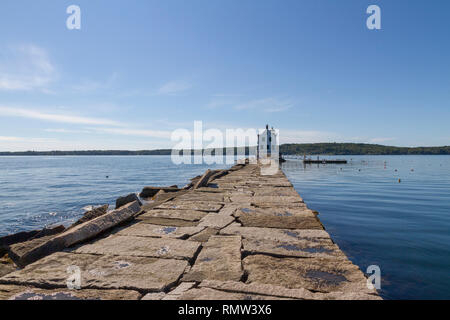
<point x="285" y="149"/>
<point x="357" y="149"/>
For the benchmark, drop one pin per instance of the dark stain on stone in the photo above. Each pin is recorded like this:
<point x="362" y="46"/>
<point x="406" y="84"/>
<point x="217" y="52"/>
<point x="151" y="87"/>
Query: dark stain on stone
<point x="291" y="233"/>
<point x="330" y="278"/>
<point x="284" y="214"/>
<point x="293" y="247"/>
<point x="168" y="230"/>
<point x="289" y="247"/>
<point x="122" y="264"/>
<point x="318" y="250"/>
<point x="207" y="259"/>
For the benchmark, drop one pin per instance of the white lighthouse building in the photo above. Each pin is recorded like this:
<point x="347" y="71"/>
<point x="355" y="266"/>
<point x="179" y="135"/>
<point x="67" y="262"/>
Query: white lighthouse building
<point x="267" y="144"/>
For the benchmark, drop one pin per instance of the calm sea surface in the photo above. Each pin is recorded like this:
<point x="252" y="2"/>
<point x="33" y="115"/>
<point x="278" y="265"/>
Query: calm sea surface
<point x="404" y="228"/>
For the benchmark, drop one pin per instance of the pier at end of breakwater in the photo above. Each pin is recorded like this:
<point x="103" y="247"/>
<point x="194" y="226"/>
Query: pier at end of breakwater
<point x="231" y="234"/>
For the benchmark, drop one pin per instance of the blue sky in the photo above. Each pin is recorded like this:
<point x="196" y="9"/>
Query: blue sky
<point x="137" y="70"/>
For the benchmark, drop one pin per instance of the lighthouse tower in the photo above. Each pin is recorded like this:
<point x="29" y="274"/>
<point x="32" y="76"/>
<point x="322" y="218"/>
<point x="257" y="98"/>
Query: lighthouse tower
<point x="267" y="143"/>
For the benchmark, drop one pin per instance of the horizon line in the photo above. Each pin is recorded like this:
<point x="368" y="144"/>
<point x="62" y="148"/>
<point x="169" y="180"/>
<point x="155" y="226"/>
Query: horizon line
<point x="170" y="149"/>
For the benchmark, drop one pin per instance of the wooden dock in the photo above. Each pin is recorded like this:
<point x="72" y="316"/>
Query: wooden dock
<point x="324" y="161"/>
<point x="235" y="234"/>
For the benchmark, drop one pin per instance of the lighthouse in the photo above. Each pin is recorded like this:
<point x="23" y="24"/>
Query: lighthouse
<point x="267" y="144"/>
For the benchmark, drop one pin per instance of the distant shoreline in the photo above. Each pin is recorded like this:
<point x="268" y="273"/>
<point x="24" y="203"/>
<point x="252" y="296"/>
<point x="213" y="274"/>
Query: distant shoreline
<point x="285" y="149"/>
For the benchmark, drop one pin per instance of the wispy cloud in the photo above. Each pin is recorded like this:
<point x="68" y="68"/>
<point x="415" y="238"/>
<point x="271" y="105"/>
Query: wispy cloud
<point x="235" y="102"/>
<point x="24" y="139"/>
<point x="88" y="85"/>
<point x="266" y="104"/>
<point x="3" y="138"/>
<point x="174" y="87"/>
<point x="220" y="102"/>
<point x="26" y="67"/>
<point x="66" y="131"/>
<point x="62" y="118"/>
<point x="165" y="134"/>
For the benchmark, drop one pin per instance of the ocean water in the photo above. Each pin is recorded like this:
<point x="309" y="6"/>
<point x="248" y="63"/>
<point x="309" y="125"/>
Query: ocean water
<point x="403" y="227"/>
<point x="39" y="191"/>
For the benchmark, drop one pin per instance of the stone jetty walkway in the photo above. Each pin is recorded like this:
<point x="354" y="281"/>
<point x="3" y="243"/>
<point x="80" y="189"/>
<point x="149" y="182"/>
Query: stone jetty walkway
<point x="243" y="235"/>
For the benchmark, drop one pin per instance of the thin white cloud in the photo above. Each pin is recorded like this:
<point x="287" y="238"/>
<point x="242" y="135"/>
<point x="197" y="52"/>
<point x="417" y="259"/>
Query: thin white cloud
<point x="269" y="105"/>
<point x="66" y="131"/>
<point x="219" y="103"/>
<point x="266" y="105"/>
<point x="61" y="118"/>
<point x="25" y="139"/>
<point x="88" y="85"/>
<point x="3" y="138"/>
<point x="26" y="67"/>
<point x="174" y="87"/>
<point x="135" y="132"/>
<point x="278" y="109"/>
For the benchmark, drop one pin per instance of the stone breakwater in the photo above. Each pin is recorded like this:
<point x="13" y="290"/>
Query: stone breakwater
<point x="232" y="234"/>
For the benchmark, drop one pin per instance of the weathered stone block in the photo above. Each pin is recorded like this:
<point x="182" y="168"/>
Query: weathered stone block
<point x="278" y="218"/>
<point x="214" y="220"/>
<point x="14" y="292"/>
<point x="220" y="259"/>
<point x="6" y="265"/>
<point x="321" y="275"/>
<point x="149" y="192"/>
<point x="168" y="222"/>
<point x="101" y="272"/>
<point x="142" y="247"/>
<point x="154" y="296"/>
<point x="273" y="234"/>
<point x="293" y="248"/>
<point x="141" y="229"/>
<point x="186" y="205"/>
<point x="204" y="235"/>
<point x="79" y="233"/>
<point x="203" y="181"/>
<point x="188" y="215"/>
<point x="212" y="294"/>
<point x="121" y="201"/>
<point x="91" y="214"/>
<point x="274" y="200"/>
<point x="176" y="293"/>
<point x="201" y="196"/>
<point x="278" y="291"/>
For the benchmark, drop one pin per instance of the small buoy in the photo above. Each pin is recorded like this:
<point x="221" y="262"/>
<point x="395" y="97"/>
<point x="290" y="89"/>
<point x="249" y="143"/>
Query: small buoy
<point x="107" y="177"/>
<point x="395" y="170"/>
<point x="412" y="170"/>
<point x="399" y="180"/>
